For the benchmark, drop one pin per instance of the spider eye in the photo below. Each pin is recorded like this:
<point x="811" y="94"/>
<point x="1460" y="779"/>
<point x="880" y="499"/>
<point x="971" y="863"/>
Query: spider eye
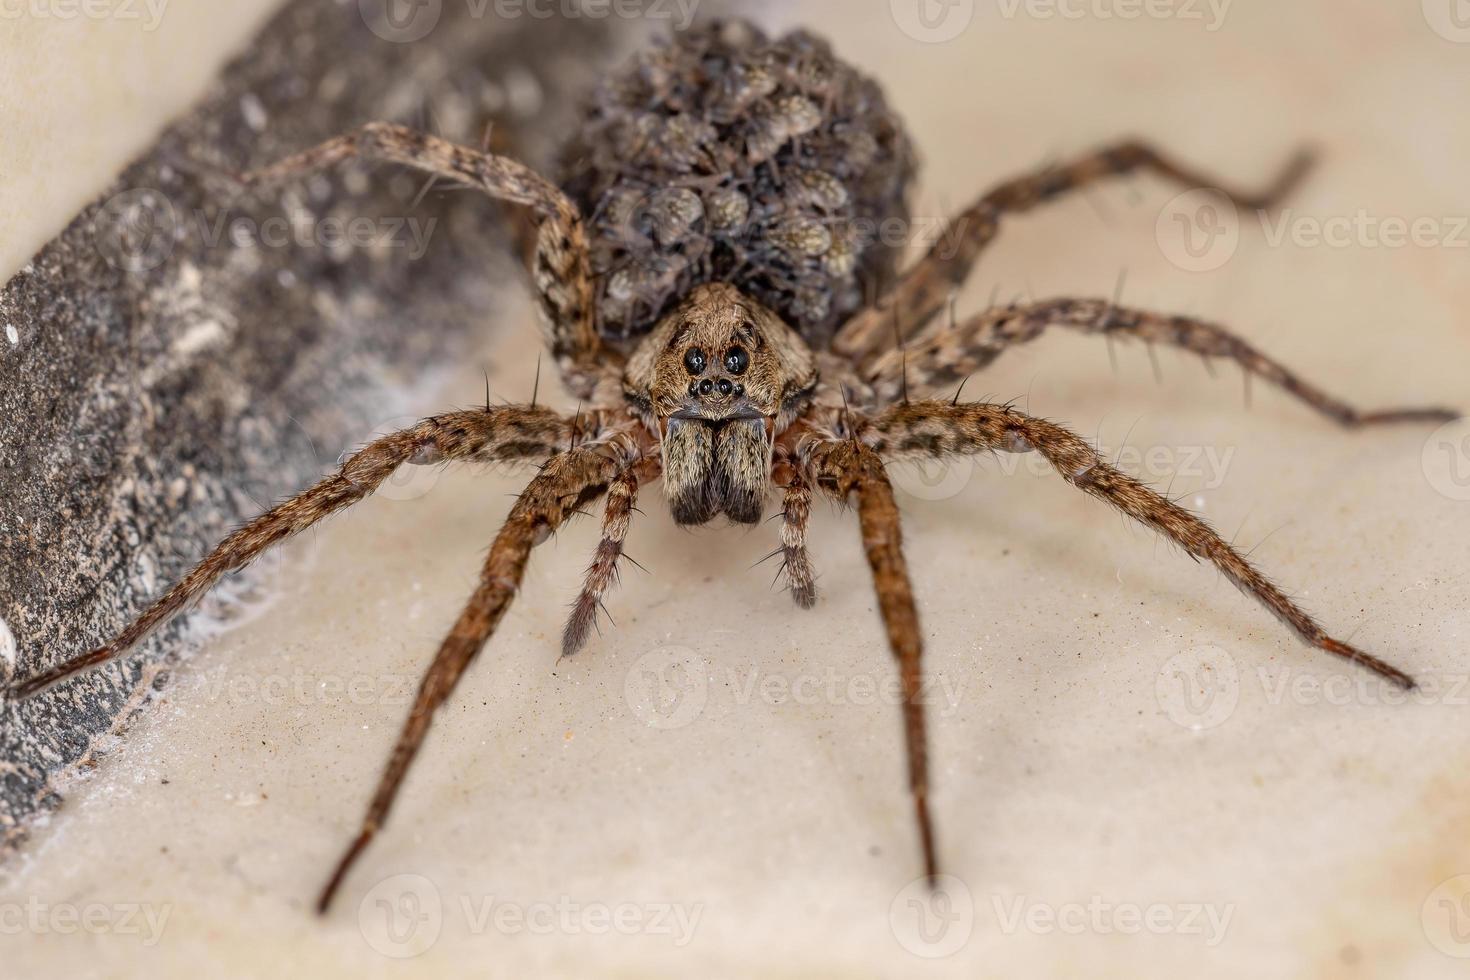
<point x="694" y="361"/>
<point x="736" y="360"/>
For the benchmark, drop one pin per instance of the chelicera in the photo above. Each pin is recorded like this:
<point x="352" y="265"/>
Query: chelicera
<point x="704" y="285"/>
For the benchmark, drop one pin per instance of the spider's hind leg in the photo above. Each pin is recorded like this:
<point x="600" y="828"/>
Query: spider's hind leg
<point x="568" y="481"/>
<point x="953" y="354"/>
<point x="934" y="429"/>
<point x="923" y="289"/>
<point x="562" y="267"/>
<point x="486" y="435"/>
<point x="844" y="469"/>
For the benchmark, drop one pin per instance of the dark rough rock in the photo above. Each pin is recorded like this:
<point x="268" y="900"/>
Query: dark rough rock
<point x="168" y="364"/>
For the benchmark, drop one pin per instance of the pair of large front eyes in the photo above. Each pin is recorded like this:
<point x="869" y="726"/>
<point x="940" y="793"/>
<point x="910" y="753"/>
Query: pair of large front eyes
<point x="736" y="360"/>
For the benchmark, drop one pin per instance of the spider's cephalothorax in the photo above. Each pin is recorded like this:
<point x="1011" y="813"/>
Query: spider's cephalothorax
<point x="721" y="400"/>
<point x="717" y="380"/>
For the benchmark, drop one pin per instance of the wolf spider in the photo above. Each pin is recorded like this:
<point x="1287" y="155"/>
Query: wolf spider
<point x="725" y="402"/>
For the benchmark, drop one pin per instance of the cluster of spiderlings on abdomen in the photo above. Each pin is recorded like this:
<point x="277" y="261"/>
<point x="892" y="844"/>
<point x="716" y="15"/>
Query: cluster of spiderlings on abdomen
<point x="721" y="155"/>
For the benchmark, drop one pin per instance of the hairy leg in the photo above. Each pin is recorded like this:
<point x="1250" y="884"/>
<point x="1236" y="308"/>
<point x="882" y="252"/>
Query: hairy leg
<point x="949" y="357"/>
<point x="562" y="268"/>
<point x="622" y="496"/>
<point x="482" y="435"/>
<point x="842" y="469"/>
<point x="796" y="562"/>
<point x="567" y="481"/>
<point x="926" y="430"/>
<point x="922" y="291"/>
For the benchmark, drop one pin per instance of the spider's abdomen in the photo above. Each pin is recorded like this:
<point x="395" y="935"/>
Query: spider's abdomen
<point x="720" y="155"/>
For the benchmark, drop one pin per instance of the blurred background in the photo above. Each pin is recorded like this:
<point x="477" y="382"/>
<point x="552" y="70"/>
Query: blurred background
<point x="1137" y="772"/>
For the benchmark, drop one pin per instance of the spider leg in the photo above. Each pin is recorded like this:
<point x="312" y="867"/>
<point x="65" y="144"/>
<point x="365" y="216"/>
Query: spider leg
<point x="622" y="494"/>
<point x="842" y="469"/>
<point x="562" y="267"/>
<point x="936" y="429"/>
<point x="565" y="483"/>
<point x="496" y="434"/>
<point x="922" y="291"/>
<point x="797" y="563"/>
<point x="953" y="354"/>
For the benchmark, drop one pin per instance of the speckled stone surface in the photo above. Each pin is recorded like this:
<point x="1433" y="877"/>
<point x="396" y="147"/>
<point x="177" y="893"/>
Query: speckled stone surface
<point x="183" y="353"/>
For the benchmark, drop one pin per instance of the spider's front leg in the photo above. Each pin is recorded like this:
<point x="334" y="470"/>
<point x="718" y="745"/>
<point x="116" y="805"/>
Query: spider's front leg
<point x="484" y="435"/>
<point x="567" y="482"/>
<point x="562" y="266"/>
<point x="952" y="355"/>
<point x="842" y="469"/>
<point x="922" y="291"/>
<point x="935" y="429"/>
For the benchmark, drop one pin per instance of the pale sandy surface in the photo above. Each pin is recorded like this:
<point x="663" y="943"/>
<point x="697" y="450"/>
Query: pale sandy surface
<point x="1106" y="816"/>
<point x="86" y="86"/>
